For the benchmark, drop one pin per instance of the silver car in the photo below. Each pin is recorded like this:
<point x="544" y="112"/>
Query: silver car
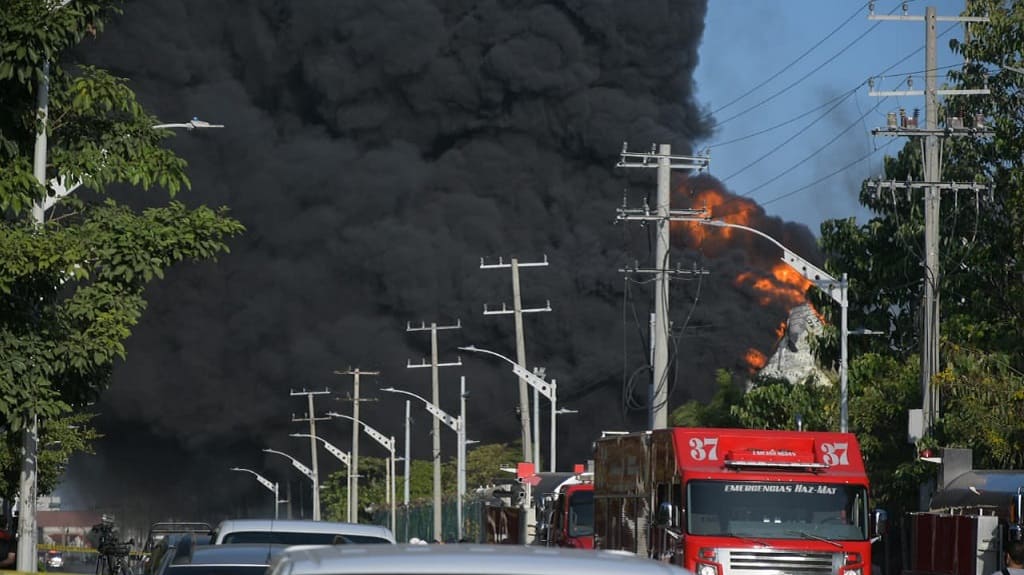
<point x="462" y="560"/>
<point x="299" y="532"/>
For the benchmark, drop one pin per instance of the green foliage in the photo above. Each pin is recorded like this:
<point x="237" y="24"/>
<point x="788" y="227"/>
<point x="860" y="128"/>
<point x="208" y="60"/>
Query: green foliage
<point x="718" y="412"/>
<point x="59" y="438"/>
<point x="72" y="288"/>
<point x="983" y="400"/>
<point x="777" y="404"/>
<point x="483" y="464"/>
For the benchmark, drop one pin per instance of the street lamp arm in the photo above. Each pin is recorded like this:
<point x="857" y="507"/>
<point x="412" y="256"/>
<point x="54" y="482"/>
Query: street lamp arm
<point x="295" y="463"/>
<point x="819" y="277"/>
<point x="544" y="388"/>
<point x="453" y="422"/>
<point x="341" y="455"/>
<point x="263" y="480"/>
<point x="376" y="435"/>
<point x="476" y="349"/>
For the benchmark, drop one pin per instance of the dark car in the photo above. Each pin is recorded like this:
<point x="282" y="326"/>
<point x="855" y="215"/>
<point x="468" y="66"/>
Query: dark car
<point x="241" y="559"/>
<point x="164" y="537"/>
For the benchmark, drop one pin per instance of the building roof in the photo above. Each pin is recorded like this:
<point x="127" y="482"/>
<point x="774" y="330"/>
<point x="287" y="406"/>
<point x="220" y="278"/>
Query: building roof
<point x="68" y="518"/>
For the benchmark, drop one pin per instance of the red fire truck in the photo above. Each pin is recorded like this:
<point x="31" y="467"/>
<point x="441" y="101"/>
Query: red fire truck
<point x="570" y="516"/>
<point x="736" y="501"/>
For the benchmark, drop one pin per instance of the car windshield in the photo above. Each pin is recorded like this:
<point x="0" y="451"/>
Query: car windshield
<point x="793" y="510"/>
<point x="581" y="514"/>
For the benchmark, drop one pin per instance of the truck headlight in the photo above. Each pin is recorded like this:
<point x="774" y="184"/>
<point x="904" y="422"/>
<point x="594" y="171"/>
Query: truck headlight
<point x="705" y="569"/>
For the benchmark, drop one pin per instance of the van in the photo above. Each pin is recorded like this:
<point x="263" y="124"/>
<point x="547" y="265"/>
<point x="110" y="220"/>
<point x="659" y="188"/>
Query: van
<point x="299" y="532"/>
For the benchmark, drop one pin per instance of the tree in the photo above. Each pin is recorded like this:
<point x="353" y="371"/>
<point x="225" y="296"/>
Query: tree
<point x="72" y="289"/>
<point x="718" y="412"/>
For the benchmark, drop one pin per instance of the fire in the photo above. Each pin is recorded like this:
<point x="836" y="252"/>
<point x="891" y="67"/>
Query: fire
<point x="755" y="359"/>
<point x="735" y="210"/>
<point x="785" y="286"/>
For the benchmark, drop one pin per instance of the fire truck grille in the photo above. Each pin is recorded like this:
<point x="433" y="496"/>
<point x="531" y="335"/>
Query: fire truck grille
<point x="771" y="562"/>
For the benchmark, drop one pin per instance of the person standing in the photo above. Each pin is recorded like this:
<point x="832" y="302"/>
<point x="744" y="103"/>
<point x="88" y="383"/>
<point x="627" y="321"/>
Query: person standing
<point x="9" y="550"/>
<point x="1014" y="558"/>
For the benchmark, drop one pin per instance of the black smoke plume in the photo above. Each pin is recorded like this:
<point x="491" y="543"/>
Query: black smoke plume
<point x="376" y="150"/>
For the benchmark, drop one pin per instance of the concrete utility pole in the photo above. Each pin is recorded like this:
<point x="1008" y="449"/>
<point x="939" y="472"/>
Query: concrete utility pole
<point x="407" y="467"/>
<point x="662" y="159"/>
<point x="312" y="419"/>
<point x="353" y="492"/>
<point x="436" y="399"/>
<point x="932" y="175"/>
<point x="518" y="311"/>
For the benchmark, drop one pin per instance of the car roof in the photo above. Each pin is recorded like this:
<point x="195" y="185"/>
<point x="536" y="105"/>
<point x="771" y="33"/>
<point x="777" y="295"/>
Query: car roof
<point x="456" y="559"/>
<point x="241" y="554"/>
<point x="302" y="526"/>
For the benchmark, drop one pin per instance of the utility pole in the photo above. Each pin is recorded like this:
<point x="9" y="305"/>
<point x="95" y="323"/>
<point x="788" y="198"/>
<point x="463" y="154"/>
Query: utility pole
<point x="907" y="126"/>
<point x="407" y="467"/>
<point x="353" y="492"/>
<point x="312" y="419"/>
<point x="518" y="311"/>
<point x="661" y="158"/>
<point x="436" y="400"/>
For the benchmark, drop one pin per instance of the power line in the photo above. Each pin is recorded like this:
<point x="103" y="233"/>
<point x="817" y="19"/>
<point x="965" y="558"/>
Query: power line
<point x="828" y="176"/>
<point x="792" y="137"/>
<point x="794" y="62"/>
<point x="804" y="77"/>
<point x="842" y="96"/>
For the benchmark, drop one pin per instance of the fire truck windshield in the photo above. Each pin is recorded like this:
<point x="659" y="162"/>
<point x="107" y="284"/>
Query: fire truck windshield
<point x="581" y="514"/>
<point x="791" y="510"/>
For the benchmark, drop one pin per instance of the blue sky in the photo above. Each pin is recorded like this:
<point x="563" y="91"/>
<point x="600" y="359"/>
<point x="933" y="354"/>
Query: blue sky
<point x="748" y="41"/>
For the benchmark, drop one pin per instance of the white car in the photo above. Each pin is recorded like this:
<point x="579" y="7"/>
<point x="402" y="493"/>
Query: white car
<point x="299" y="532"/>
<point x="55" y="561"/>
<point x="462" y="559"/>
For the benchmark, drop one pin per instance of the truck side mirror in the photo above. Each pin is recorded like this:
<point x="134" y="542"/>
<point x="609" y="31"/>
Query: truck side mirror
<point x="881" y="522"/>
<point x="668" y="515"/>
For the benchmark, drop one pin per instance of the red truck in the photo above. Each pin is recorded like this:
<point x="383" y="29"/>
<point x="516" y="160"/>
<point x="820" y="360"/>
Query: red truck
<point x="736" y="501"/>
<point x="570" y="514"/>
<point x="971" y="517"/>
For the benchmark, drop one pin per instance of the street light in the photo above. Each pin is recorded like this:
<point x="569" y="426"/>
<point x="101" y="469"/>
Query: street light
<point x="272" y="486"/>
<point x="548" y="389"/>
<point x="192" y="124"/>
<point x="57" y="188"/>
<point x="389" y="444"/>
<point x="305" y="471"/>
<point x="836" y="289"/>
<point x="458" y="425"/>
<point x="344" y="458"/>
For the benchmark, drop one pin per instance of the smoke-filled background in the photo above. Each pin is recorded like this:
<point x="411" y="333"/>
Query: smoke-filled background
<point x="376" y="151"/>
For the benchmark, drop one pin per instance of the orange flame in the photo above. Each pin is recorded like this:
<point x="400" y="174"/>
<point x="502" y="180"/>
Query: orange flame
<point x="755" y="359"/>
<point x="785" y="286"/>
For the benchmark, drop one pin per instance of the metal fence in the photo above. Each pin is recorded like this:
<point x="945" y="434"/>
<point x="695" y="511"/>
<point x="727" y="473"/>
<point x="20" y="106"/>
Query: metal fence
<point x="482" y="523"/>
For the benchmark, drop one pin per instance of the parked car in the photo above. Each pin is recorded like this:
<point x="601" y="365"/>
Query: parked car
<point x="459" y="559"/>
<point x="189" y="559"/>
<point x="299" y="532"/>
<point x="54" y="559"/>
<point x="164" y="536"/>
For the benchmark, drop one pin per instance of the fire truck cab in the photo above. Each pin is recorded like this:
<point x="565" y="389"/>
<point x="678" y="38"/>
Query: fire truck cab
<point x="570" y="513"/>
<point x="736" y="501"/>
